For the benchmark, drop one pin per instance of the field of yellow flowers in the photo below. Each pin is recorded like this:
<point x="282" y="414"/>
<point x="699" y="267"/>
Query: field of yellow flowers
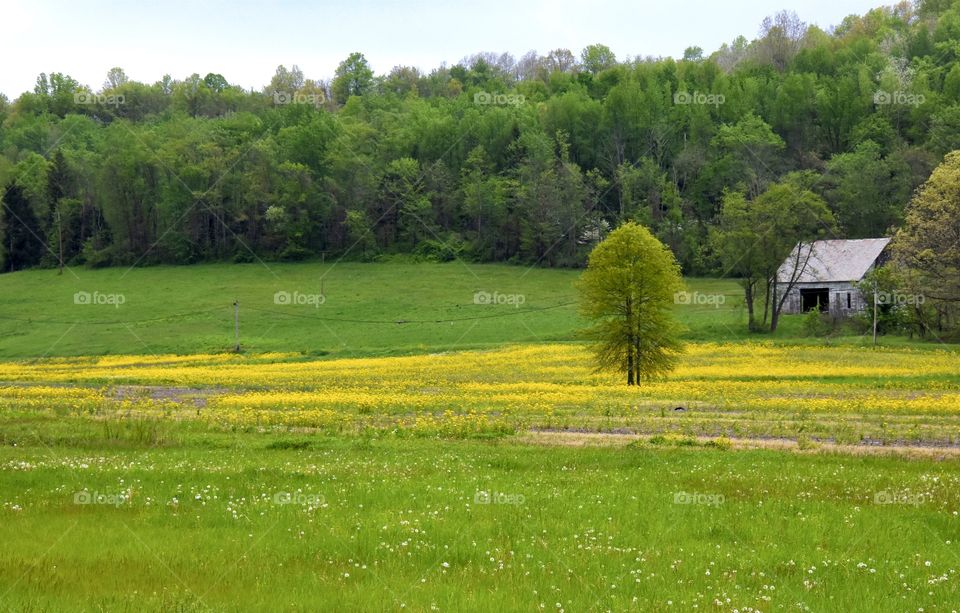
<point x="274" y="482"/>
<point x="849" y="394"/>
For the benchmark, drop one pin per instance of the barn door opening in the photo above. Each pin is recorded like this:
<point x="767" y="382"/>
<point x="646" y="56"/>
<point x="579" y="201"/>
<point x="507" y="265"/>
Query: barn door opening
<point x="815" y="298"/>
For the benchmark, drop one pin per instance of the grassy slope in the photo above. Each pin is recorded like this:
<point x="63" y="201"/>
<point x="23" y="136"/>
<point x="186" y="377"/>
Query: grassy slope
<point x="42" y="319"/>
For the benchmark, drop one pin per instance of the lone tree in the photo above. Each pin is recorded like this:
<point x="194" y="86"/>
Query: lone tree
<point x="628" y="291"/>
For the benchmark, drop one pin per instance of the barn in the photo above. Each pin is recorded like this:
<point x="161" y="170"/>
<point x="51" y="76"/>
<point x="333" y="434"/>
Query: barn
<point x="822" y="275"/>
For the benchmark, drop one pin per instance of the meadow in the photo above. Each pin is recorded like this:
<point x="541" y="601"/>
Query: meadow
<point x="484" y="465"/>
<point x="366" y="309"/>
<point x="359" y="524"/>
<point x="843" y="394"/>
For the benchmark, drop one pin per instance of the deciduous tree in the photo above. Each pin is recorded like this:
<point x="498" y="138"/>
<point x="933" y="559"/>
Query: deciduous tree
<point x="628" y="292"/>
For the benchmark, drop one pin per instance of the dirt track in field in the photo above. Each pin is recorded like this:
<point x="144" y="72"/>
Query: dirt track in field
<point x="616" y="439"/>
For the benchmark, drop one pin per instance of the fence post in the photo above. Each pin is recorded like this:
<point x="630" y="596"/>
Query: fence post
<point x="236" y="325"/>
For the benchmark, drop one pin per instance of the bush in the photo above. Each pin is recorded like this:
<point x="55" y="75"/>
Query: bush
<point x="440" y="251"/>
<point x="295" y="253"/>
<point x="817" y="324"/>
<point x="98" y="257"/>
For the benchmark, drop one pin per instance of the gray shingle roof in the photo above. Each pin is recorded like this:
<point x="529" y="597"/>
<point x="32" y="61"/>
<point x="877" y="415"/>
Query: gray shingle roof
<point x="834" y="260"/>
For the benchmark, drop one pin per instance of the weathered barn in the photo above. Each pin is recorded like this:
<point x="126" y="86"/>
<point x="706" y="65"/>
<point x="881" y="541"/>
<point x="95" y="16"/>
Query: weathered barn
<point x="822" y="274"/>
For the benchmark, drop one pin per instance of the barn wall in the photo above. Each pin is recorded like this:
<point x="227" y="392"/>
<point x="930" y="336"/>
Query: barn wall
<point x="838" y="298"/>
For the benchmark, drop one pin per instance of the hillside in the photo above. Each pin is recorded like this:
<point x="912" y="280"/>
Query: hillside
<point x="189" y="309"/>
<point x="493" y="159"/>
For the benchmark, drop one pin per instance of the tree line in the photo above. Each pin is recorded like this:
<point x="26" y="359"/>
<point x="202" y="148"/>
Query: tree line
<point x="799" y="133"/>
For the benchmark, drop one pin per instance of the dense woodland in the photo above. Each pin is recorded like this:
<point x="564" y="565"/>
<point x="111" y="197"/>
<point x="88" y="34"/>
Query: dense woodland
<point x="494" y="159"/>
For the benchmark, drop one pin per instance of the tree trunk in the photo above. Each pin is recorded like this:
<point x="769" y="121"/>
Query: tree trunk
<point x="748" y="298"/>
<point x="766" y="302"/>
<point x="631" y="341"/>
<point x="636" y="363"/>
<point x="775" y="310"/>
<point x="60" y="242"/>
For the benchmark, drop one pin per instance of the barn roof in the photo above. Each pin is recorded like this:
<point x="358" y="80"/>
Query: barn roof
<point x="833" y="260"/>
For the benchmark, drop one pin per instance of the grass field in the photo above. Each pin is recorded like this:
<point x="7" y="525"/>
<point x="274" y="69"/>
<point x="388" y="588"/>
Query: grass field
<point x="240" y="523"/>
<point x="476" y="464"/>
<point x="189" y="309"/>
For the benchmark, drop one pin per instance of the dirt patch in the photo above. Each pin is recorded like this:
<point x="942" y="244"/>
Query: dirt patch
<point x="183" y="395"/>
<point x="620" y="439"/>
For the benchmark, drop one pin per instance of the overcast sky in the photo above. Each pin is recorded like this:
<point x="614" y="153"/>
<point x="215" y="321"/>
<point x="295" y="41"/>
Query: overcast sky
<point x="245" y="41"/>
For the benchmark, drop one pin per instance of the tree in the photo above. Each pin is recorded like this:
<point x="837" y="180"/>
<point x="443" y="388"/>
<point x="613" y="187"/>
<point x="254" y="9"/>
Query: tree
<point x="285" y="81"/>
<point x="405" y="210"/>
<point x="928" y="245"/>
<point x="754" y="238"/>
<point x="693" y="54"/>
<point x="403" y="80"/>
<point x="945" y="129"/>
<point x="552" y="197"/>
<point x="559" y="60"/>
<point x="897" y="308"/>
<point x="628" y="291"/>
<point x="353" y="77"/>
<point x="747" y="155"/>
<point x="597" y="58"/>
<point x="781" y="39"/>
<point x="116" y="77"/>
<point x="645" y="191"/>
<point x="485" y="198"/>
<point x="58" y="186"/>
<point x="216" y="82"/>
<point x="794" y="217"/>
<point x="730" y="55"/>
<point x="865" y="190"/>
<point x="359" y="233"/>
<point x="741" y="254"/>
<point x="23" y="244"/>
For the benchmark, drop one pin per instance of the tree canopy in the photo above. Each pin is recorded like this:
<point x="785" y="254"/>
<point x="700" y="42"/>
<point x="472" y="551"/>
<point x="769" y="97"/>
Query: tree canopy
<point x="493" y="158"/>
<point x="628" y="291"/>
<point x="927" y="250"/>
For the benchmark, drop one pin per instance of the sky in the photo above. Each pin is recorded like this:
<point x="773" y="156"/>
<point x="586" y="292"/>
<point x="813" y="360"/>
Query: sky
<point x="245" y="41"/>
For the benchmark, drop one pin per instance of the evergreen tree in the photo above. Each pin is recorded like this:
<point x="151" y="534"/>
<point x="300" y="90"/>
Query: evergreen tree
<point x="23" y="243"/>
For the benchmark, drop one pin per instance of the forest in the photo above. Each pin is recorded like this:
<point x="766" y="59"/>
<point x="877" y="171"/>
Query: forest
<point x="494" y="159"/>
